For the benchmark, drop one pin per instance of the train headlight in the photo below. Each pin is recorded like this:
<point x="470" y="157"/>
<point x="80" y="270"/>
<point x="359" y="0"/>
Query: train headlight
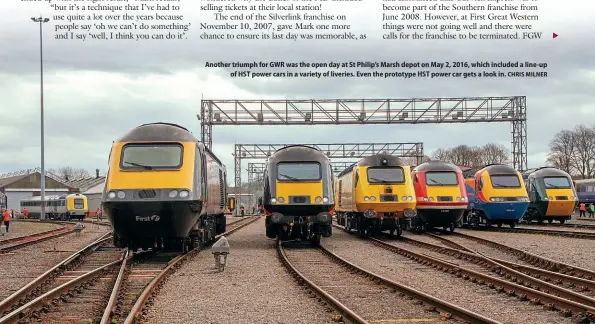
<point x="404" y="198"/>
<point x="463" y="198"/>
<point x="431" y="198"/>
<point x="425" y="198"/>
<point x="410" y="198"/>
<point x="573" y="198"/>
<point x="545" y="198"/>
<point x="550" y="198"/>
<point x="111" y="195"/>
<point x="281" y="199"/>
<point x="366" y="198"/>
<point x="184" y="193"/>
<point x="318" y="200"/>
<point x="273" y="200"/>
<point x="173" y="193"/>
<point x="325" y="199"/>
<point x="121" y="194"/>
<point x="372" y="198"/>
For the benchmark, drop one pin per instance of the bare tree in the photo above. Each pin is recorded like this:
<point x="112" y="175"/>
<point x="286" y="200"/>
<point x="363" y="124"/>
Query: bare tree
<point x="584" y="154"/>
<point x="70" y="173"/>
<point x="493" y="153"/>
<point x="562" y="150"/>
<point x="441" y="155"/>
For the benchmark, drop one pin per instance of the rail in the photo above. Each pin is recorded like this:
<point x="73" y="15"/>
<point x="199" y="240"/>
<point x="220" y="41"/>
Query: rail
<point x="446" y="309"/>
<point x="148" y="291"/>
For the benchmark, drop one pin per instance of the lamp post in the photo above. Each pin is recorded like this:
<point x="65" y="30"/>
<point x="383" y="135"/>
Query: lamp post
<point x="41" y="21"/>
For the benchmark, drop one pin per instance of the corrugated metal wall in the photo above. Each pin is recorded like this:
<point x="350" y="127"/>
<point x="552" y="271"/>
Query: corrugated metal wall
<point x="94" y="201"/>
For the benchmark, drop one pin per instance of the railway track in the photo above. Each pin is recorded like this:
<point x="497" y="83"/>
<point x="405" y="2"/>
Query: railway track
<point x="554" y="225"/>
<point x="359" y="295"/>
<point x="22" y="241"/>
<point x="137" y="282"/>
<point x="41" y="285"/>
<point x="524" y="282"/>
<point x="95" y="291"/>
<point x="573" y="234"/>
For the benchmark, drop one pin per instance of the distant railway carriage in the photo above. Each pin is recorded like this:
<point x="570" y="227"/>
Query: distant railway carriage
<point x="585" y="190"/>
<point x="551" y="193"/>
<point x="164" y="189"/>
<point x="441" y="195"/>
<point x="375" y="194"/>
<point x="298" y="194"/>
<point x="497" y="195"/>
<point x="65" y="207"/>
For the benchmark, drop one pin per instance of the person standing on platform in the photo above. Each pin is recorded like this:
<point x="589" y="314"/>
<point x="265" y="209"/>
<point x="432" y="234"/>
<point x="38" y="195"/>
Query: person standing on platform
<point x="6" y="219"/>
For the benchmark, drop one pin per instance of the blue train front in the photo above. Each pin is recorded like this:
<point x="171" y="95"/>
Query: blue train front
<point x="497" y="195"/>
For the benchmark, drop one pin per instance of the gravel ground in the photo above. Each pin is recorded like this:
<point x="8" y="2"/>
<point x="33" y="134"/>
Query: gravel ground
<point x="578" y="252"/>
<point x="560" y="228"/>
<point x="480" y="299"/>
<point x="253" y="280"/>
<point x="25" y="264"/>
<point x="19" y="229"/>
<point x="423" y="238"/>
<point x="375" y="303"/>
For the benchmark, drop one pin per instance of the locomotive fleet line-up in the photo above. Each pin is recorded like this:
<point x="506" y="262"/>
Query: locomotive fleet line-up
<point x="166" y="190"/>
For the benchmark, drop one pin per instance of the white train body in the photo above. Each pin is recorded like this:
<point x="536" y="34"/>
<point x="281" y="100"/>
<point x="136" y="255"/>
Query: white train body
<point x="63" y="207"/>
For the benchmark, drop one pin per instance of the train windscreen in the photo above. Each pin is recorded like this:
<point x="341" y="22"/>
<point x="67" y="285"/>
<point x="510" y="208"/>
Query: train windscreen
<point x="505" y="181"/>
<point x="441" y="179"/>
<point x="386" y="175"/>
<point x="79" y="204"/>
<point x="556" y="183"/>
<point x="151" y="156"/>
<point x="300" y="171"/>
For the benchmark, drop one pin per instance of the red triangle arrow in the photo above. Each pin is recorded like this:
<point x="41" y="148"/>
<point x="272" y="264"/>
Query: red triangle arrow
<point x="555" y="35"/>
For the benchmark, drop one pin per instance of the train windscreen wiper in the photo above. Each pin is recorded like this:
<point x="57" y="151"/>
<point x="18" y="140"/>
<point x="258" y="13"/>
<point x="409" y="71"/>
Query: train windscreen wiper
<point x="289" y="177"/>
<point x="437" y="182"/>
<point x="146" y="167"/>
<point x="379" y="180"/>
<point x="549" y="185"/>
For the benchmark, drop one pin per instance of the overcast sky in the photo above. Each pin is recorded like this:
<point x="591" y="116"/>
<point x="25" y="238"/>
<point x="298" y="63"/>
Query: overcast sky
<point x="97" y="90"/>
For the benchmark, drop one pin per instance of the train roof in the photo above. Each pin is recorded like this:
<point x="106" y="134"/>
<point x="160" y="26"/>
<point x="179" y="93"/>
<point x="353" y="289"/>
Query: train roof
<point x="498" y="169"/>
<point x="584" y="180"/>
<point x="436" y="166"/>
<point x="380" y="159"/>
<point x="545" y="172"/>
<point x="158" y="132"/>
<point x="298" y="153"/>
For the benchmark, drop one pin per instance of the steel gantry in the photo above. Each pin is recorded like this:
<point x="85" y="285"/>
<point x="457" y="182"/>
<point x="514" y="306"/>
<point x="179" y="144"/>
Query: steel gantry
<point x="372" y="111"/>
<point x="340" y="151"/>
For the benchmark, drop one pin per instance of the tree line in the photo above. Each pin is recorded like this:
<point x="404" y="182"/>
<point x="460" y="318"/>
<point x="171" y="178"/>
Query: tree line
<point x="574" y="151"/>
<point x="473" y="156"/>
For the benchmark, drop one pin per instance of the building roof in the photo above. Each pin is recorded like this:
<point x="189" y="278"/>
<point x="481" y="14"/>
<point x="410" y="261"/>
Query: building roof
<point x="82" y="184"/>
<point x="96" y="189"/>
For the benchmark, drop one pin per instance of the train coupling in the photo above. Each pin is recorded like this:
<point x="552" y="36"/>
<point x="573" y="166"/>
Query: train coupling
<point x="370" y="213"/>
<point x="409" y="212"/>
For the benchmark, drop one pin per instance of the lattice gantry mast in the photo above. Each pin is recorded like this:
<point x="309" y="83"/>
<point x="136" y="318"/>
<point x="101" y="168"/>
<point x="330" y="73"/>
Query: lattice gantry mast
<point x="353" y="150"/>
<point x="374" y="112"/>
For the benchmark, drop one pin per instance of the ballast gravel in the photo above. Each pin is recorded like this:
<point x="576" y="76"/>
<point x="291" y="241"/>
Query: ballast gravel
<point x="253" y="288"/>
<point x="573" y="251"/>
<point x="20" y="229"/>
<point x="559" y="228"/>
<point x="479" y="299"/>
<point x="25" y="264"/>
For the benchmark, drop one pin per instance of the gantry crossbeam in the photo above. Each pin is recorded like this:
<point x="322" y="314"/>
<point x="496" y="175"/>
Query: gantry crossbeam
<point x="372" y="111"/>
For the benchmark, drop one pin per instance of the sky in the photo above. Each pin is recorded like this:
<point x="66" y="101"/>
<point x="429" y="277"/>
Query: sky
<point x="97" y="90"/>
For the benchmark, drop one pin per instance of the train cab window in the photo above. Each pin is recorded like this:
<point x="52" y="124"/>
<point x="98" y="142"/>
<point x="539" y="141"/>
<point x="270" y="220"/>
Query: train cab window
<point x="441" y="179"/>
<point x="299" y="171"/>
<point x="589" y="188"/>
<point x="386" y="175"/>
<point x="152" y="156"/>
<point x="505" y="181"/>
<point x="78" y="203"/>
<point x="556" y="183"/>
